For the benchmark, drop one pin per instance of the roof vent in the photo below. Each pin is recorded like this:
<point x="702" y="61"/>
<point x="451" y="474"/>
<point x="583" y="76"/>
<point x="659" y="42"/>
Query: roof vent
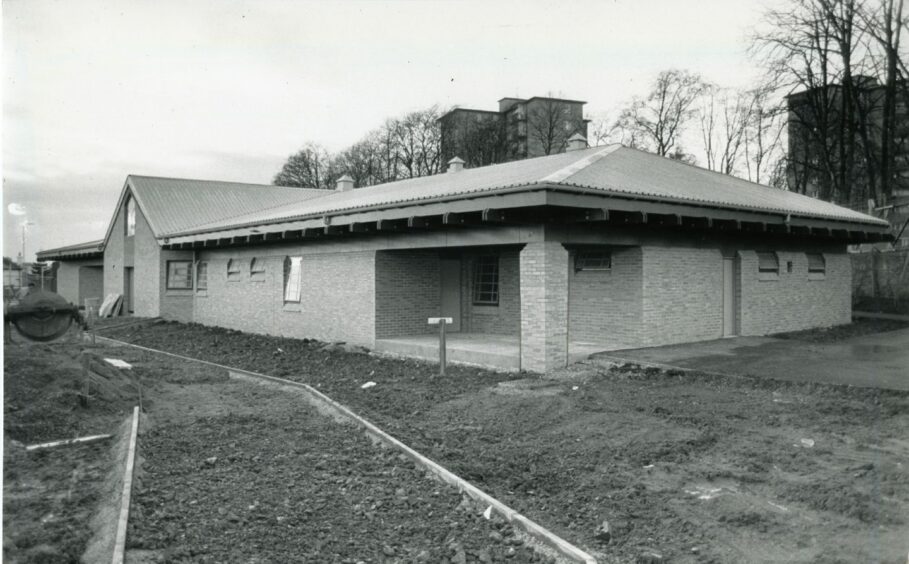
<point x="345" y="184"/>
<point x="456" y="164"/>
<point x="577" y="142"/>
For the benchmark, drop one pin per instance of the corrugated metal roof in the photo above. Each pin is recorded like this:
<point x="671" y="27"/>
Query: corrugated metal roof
<point x="172" y="205"/>
<point x="614" y="170"/>
<point x="80" y="249"/>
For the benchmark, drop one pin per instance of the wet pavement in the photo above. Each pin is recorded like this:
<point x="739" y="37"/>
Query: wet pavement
<point x="879" y="360"/>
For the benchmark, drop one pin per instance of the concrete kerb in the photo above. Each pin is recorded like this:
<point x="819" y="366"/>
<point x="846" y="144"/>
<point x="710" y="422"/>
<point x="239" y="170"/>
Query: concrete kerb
<point x="556" y="544"/>
<point x="120" y="541"/>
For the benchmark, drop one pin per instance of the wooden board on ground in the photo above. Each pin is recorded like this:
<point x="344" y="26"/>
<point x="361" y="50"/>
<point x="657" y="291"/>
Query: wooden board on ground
<point x="108" y="305"/>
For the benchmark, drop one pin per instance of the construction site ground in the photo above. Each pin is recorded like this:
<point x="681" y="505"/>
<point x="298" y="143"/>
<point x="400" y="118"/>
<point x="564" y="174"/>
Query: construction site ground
<point x="228" y="471"/>
<point x="694" y="467"/>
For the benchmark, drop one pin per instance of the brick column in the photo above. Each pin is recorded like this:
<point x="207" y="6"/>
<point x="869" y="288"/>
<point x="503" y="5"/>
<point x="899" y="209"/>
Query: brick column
<point x="544" y="306"/>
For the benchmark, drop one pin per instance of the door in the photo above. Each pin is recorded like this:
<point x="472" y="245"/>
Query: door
<point x="728" y="297"/>
<point x="128" y="289"/>
<point x="450" y="272"/>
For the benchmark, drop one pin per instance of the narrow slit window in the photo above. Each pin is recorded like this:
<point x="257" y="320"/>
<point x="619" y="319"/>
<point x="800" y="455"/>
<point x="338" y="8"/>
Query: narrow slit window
<point x="257" y="269"/>
<point x="179" y="275"/>
<point x="130" y="217"/>
<point x="486" y="281"/>
<point x="233" y="269"/>
<point x="202" y="276"/>
<point x="768" y="263"/>
<point x="592" y="260"/>
<point x="816" y="264"/>
<point x="293" y="279"/>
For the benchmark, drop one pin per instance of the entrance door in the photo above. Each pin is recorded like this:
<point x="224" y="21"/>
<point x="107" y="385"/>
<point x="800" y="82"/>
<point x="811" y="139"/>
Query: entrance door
<point x="450" y="272"/>
<point x="128" y="289"/>
<point x="728" y="297"/>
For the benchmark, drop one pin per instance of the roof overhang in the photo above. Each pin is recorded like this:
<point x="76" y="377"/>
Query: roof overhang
<point x="85" y="251"/>
<point x="510" y="205"/>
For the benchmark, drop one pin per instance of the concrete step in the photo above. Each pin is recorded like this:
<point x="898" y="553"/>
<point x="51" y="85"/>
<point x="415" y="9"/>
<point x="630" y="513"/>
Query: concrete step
<point x="493" y="355"/>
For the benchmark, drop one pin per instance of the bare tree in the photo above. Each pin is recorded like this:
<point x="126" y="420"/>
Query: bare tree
<point x="658" y="120"/>
<point x="310" y="167"/>
<point x="763" y="137"/>
<point x="550" y="122"/>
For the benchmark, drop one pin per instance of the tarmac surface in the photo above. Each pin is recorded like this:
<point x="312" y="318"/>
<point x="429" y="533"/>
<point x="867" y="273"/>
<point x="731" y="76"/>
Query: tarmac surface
<point x="879" y="360"/>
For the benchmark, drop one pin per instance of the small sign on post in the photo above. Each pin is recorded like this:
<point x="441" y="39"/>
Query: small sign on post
<point x="441" y="322"/>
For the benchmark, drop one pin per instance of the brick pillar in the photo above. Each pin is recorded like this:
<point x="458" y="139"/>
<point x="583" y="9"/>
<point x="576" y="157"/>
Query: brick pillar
<point x="544" y="306"/>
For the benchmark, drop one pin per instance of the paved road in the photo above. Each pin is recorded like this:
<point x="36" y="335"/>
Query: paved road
<point x="880" y="360"/>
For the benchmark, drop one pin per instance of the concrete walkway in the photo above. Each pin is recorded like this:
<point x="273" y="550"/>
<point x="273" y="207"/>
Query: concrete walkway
<point x="880" y="360"/>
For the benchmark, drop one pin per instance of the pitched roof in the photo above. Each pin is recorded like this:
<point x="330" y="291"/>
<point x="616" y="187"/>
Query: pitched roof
<point x="84" y="250"/>
<point x="613" y="170"/>
<point x="172" y="205"/>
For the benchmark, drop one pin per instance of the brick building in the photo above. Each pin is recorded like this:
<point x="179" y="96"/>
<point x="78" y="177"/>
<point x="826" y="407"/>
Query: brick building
<point x="520" y="129"/>
<point x="547" y="258"/>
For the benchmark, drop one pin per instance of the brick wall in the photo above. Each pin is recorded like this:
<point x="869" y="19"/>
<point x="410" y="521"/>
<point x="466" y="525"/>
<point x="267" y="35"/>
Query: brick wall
<point x="143" y="254"/>
<point x="501" y="319"/>
<point x="80" y="279"/>
<point x="791" y="301"/>
<point x="605" y="306"/>
<point x="683" y="295"/>
<point x="338" y="301"/>
<point x="174" y="304"/>
<point x="544" y="306"/>
<point x="407" y="292"/>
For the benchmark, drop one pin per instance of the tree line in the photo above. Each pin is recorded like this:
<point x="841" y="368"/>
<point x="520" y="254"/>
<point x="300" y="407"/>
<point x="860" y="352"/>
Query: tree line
<point x="845" y="140"/>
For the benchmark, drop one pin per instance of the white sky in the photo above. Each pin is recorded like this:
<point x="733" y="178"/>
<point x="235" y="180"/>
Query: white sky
<point x="227" y="89"/>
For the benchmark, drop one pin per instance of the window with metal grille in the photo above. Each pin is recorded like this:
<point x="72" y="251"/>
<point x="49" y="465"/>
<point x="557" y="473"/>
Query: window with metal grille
<point x="257" y="269"/>
<point x="233" y="269"/>
<point x="179" y="275"/>
<point x="202" y="276"/>
<point x="486" y="281"/>
<point x="293" y="279"/>
<point x="768" y="263"/>
<point x="592" y="260"/>
<point x="816" y="263"/>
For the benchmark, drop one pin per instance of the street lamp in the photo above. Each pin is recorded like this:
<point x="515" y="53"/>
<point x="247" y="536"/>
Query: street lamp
<point x="22" y="273"/>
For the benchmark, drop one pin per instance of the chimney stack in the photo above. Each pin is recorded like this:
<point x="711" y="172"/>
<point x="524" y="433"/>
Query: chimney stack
<point x="577" y="142"/>
<point x="456" y="164"/>
<point x="345" y="184"/>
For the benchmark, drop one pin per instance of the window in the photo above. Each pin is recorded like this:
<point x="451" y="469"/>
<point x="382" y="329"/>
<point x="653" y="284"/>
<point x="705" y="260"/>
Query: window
<point x="486" y="281"/>
<point x="293" y="279"/>
<point x="257" y="269"/>
<point x="202" y="276"/>
<point x="592" y="260"/>
<point x="130" y="216"/>
<point x="233" y="269"/>
<point x="179" y="275"/>
<point x="768" y="263"/>
<point x="817" y="265"/>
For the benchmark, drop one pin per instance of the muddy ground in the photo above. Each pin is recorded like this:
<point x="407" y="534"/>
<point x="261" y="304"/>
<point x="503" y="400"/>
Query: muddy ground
<point x="51" y="495"/>
<point x="229" y="472"/>
<point x="697" y="468"/>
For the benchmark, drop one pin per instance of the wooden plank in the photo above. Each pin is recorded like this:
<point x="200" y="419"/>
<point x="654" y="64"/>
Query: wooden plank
<point x="52" y="444"/>
<point x="120" y="540"/>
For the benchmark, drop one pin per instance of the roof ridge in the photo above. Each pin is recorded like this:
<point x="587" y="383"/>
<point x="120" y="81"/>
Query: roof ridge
<point x="209" y="181"/>
<point x="580" y="164"/>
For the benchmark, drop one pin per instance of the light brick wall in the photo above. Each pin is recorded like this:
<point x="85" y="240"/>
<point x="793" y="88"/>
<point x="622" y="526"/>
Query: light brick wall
<point x="407" y="292"/>
<point x="683" y="295"/>
<point x="605" y="306"/>
<point x="544" y="306"/>
<point x="143" y="254"/>
<point x="502" y="319"/>
<point x="792" y="302"/>
<point x="174" y="304"/>
<point x="338" y="302"/>
<point x="80" y="279"/>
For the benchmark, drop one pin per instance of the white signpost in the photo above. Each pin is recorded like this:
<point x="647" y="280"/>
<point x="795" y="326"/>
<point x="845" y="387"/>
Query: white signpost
<point x="441" y="322"/>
